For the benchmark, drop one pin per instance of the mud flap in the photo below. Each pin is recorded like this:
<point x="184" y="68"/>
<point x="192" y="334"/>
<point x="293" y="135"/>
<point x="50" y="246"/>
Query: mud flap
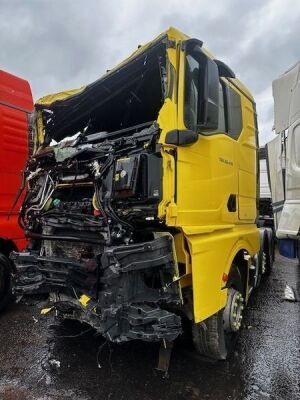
<point x="165" y="352"/>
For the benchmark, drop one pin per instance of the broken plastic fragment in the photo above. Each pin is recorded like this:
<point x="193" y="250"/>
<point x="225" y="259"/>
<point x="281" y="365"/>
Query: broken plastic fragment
<point x="45" y="311"/>
<point x="54" y="363"/>
<point x="289" y="293"/>
<point x="84" y="299"/>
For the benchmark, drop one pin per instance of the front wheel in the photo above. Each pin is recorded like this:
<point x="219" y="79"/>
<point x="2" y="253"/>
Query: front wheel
<point x="209" y="337"/>
<point x="215" y="337"/>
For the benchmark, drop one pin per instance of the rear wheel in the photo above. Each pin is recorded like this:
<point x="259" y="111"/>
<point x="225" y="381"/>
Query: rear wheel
<point x="269" y="254"/>
<point x="215" y="337"/>
<point x="5" y="282"/>
<point x="261" y="264"/>
<point x="266" y="254"/>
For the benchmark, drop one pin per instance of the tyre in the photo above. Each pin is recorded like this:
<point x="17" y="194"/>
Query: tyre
<point x="215" y="337"/>
<point x="209" y="337"/>
<point x="262" y="263"/>
<point x="269" y="250"/>
<point x="257" y="261"/>
<point x="5" y="282"/>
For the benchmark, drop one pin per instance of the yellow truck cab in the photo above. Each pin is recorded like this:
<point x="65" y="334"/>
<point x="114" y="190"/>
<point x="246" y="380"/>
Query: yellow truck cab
<point x="142" y="194"/>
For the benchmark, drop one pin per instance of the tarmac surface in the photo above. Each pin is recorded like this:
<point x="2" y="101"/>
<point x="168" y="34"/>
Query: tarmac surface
<point x="39" y="360"/>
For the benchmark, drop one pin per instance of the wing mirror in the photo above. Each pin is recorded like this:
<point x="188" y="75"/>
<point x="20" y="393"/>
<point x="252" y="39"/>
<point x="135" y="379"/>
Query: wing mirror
<point x="201" y="88"/>
<point x="181" y="137"/>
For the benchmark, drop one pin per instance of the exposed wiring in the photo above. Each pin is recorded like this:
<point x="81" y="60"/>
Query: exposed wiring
<point x="73" y="336"/>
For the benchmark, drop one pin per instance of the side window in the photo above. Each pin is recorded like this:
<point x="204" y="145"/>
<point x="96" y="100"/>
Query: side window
<point x="234" y="109"/>
<point x="211" y="106"/>
<point x="191" y="92"/>
<point x="230" y="113"/>
<point x="201" y="94"/>
<point x="221" y="116"/>
<point x="222" y="120"/>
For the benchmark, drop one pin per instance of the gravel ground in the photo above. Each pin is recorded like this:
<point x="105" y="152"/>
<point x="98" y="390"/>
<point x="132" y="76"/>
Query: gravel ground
<point x="39" y="361"/>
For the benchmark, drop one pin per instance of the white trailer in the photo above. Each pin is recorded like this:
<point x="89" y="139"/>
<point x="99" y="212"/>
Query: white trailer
<point x="283" y="154"/>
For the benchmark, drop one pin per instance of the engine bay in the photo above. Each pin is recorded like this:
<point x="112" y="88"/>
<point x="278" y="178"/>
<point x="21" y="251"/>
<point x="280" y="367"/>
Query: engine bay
<point x="96" y="244"/>
<point x="91" y="215"/>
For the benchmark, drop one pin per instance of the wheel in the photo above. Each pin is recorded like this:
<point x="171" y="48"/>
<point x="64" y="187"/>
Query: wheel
<point x="215" y="337"/>
<point x="209" y="337"/>
<point x="261" y="264"/>
<point x="257" y="260"/>
<point x="269" y="253"/>
<point x="5" y="282"/>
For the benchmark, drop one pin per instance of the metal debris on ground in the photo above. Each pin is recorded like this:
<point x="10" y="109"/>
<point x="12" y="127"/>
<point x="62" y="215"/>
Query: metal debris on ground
<point x="289" y="293"/>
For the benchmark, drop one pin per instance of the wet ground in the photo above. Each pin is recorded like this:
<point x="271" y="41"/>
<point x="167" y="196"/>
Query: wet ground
<point x="39" y="360"/>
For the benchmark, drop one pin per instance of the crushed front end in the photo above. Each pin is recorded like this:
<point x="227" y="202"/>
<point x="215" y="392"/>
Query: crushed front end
<point x="96" y="244"/>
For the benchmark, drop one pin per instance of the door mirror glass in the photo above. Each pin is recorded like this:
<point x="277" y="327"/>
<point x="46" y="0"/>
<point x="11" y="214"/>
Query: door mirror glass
<point x="201" y="92"/>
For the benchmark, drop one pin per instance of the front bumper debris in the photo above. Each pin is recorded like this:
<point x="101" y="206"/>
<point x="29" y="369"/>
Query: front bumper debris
<point x="129" y="290"/>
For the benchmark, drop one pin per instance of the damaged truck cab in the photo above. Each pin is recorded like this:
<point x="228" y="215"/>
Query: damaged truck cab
<point x="141" y="199"/>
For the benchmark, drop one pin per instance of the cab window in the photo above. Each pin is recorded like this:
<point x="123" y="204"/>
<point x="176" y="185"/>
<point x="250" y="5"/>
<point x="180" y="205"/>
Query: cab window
<point x="234" y="110"/>
<point x="191" y="92"/>
<point x="201" y="97"/>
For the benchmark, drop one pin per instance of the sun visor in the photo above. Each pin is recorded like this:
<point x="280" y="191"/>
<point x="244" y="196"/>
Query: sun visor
<point x="286" y="94"/>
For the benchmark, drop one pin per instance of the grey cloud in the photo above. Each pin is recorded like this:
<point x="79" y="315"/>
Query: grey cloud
<point x="64" y="44"/>
<point x="55" y="45"/>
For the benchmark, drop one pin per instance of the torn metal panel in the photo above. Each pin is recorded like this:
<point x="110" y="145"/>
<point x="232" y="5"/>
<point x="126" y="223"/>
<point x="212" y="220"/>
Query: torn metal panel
<point x="138" y="84"/>
<point x="97" y="243"/>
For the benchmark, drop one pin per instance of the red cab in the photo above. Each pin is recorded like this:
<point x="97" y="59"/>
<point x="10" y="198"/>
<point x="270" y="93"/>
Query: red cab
<point x="16" y="104"/>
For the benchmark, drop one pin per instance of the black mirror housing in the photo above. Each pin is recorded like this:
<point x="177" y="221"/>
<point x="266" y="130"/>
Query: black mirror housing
<point x="210" y="109"/>
<point x="181" y="137"/>
<point x="201" y="87"/>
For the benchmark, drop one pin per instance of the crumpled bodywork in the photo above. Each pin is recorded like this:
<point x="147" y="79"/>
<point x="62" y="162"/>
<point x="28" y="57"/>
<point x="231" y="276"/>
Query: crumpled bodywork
<point x="122" y="303"/>
<point x="97" y="242"/>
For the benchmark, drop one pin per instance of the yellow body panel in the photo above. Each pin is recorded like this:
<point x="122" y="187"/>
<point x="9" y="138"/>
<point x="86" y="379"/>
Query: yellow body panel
<point x="212" y="255"/>
<point x="203" y="176"/>
<point x="51" y="98"/>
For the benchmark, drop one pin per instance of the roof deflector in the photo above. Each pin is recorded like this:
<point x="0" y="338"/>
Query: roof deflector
<point x="224" y="70"/>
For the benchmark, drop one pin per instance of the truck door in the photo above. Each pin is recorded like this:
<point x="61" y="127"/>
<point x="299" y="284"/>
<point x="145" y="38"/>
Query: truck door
<point x="207" y="171"/>
<point x="207" y="183"/>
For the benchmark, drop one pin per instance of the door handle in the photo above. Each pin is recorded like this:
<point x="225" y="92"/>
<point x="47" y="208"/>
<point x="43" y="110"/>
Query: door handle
<point x="231" y="203"/>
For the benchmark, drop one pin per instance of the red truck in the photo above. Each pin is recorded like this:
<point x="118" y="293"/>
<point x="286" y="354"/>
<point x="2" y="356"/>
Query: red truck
<point x="16" y="104"/>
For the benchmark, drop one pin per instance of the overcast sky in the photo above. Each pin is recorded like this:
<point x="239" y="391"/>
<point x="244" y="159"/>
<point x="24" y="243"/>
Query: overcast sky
<point x="63" y="44"/>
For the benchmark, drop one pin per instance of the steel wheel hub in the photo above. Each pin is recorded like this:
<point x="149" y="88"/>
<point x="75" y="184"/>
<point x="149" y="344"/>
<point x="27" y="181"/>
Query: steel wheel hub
<point x="264" y="263"/>
<point x="232" y="317"/>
